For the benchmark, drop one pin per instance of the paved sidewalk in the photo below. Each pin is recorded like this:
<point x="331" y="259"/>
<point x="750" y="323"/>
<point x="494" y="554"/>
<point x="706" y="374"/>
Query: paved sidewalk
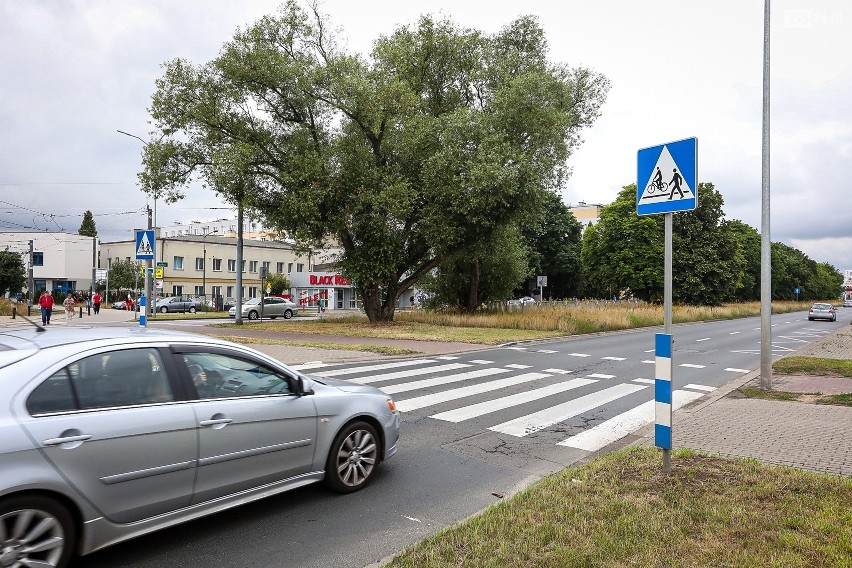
<point x="808" y="436"/>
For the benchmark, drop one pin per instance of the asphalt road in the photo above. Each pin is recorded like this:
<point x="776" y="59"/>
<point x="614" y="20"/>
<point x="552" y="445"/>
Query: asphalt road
<point x="472" y="431"/>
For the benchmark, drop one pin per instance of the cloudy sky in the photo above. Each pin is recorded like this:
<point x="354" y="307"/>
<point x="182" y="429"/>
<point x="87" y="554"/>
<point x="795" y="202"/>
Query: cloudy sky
<point x="76" y="71"/>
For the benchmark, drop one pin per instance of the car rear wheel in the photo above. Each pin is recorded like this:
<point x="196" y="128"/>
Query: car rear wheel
<point x="288" y="314"/>
<point x="164" y="310"/>
<point x="192" y="309"/>
<point x="253" y="315"/>
<point x="353" y="458"/>
<point x="35" y="531"/>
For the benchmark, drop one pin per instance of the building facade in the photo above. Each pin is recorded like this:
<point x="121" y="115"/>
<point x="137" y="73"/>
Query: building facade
<point x="61" y="262"/>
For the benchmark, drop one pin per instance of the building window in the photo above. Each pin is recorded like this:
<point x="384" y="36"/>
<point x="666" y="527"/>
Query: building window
<point x="199" y="291"/>
<point x="177" y="290"/>
<point x="38" y="259"/>
<point x="252" y="266"/>
<point x="232" y="265"/>
<point x="199" y="263"/>
<point x="300" y="267"/>
<point x="279" y="268"/>
<point x="252" y="292"/>
<point x="244" y="266"/>
<point x="289" y="267"/>
<point x="230" y="293"/>
<point x="266" y="265"/>
<point x="178" y="262"/>
<point x="217" y="265"/>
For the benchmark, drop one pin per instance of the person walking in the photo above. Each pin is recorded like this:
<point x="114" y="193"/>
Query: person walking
<point x="69" y="308"/>
<point x="677" y="179"/>
<point x="96" y="303"/>
<point x="46" y="304"/>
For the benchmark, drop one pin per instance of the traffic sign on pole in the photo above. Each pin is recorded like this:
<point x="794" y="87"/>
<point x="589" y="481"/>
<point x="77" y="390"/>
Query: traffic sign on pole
<point x="667" y="177"/>
<point x="145" y="245"/>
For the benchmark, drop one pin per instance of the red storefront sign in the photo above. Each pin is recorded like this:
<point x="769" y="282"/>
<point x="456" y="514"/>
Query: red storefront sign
<point x="328" y="280"/>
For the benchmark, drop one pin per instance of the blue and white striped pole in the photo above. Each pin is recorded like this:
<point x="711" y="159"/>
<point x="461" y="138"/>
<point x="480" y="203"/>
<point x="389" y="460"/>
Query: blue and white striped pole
<point x="143" y="310"/>
<point x="663" y="392"/>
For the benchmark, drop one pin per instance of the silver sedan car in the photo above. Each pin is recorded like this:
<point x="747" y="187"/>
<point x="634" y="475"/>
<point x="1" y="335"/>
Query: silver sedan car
<point x="107" y="434"/>
<point x="273" y="307"/>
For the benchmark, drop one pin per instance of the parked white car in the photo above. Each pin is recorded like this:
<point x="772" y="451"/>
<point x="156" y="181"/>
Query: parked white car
<point x="523" y="301"/>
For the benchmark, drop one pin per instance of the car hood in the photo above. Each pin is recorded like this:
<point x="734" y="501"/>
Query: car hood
<point x="344" y="386"/>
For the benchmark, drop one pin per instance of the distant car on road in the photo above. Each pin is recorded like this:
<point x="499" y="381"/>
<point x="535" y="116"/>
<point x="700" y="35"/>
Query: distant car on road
<point x="121" y="305"/>
<point x="522" y="301"/>
<point x="847" y="303"/>
<point x="822" y="311"/>
<point x="178" y="304"/>
<point x="273" y="307"/>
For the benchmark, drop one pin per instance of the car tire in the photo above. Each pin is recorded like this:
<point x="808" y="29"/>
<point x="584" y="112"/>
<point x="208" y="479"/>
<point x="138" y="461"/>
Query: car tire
<point x="353" y="458"/>
<point x="192" y="309"/>
<point x="253" y="315"/>
<point x="164" y="310"/>
<point x="288" y="314"/>
<point x="58" y="540"/>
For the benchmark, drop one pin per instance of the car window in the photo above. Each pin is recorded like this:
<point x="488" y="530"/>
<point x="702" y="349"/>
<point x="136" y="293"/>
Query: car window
<point x="53" y="395"/>
<point x="120" y="378"/>
<point x="216" y="375"/>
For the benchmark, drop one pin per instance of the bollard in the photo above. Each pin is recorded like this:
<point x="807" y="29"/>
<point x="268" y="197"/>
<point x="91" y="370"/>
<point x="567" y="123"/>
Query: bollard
<point x="142" y="304"/>
<point x="14" y="312"/>
<point x="81" y="311"/>
<point x="29" y="310"/>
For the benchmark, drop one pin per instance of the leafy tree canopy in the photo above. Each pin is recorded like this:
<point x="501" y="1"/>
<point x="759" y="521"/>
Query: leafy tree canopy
<point x="436" y="141"/>
<point x="278" y="283"/>
<point x="125" y="274"/>
<point x="12" y="272"/>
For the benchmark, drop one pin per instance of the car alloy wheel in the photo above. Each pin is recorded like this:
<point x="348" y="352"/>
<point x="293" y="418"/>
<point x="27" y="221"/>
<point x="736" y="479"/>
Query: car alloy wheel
<point x="35" y="531"/>
<point x="353" y="458"/>
<point x="288" y="314"/>
<point x="253" y="315"/>
<point x="192" y="309"/>
<point x="164" y="310"/>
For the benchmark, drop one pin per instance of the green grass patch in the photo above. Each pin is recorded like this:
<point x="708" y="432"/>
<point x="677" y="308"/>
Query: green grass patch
<point x="754" y="392"/>
<point x="813" y="366"/>
<point x="381" y="349"/>
<point x="836" y="399"/>
<point x="620" y="510"/>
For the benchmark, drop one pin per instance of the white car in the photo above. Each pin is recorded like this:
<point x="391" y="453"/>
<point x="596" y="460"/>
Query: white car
<point x="273" y="307"/>
<point x="523" y="301"/>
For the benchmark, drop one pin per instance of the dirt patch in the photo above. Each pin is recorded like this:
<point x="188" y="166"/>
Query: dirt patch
<point x="809" y="385"/>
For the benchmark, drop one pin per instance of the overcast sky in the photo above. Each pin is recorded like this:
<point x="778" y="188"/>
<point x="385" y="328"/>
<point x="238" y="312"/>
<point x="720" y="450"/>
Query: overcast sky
<point x="74" y="72"/>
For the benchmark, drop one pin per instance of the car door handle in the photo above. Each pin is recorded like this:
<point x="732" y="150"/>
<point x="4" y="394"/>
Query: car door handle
<point x="216" y="421"/>
<point x="66" y="440"/>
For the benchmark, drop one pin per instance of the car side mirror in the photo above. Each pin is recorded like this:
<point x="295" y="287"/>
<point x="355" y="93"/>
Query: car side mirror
<point x="301" y="388"/>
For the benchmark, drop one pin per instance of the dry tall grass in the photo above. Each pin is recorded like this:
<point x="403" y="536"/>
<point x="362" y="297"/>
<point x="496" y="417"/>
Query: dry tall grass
<point x="588" y="317"/>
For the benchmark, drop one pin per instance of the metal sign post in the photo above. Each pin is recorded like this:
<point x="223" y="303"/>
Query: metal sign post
<point x="655" y="195"/>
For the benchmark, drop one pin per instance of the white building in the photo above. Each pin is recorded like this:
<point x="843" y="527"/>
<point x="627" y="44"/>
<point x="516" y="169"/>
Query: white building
<point x="61" y="261"/>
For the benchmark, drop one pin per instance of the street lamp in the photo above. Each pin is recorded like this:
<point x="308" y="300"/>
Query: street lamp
<point x="204" y="268"/>
<point x="144" y="144"/>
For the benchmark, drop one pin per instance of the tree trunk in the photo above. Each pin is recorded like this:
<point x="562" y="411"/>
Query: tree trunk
<point x="472" y="300"/>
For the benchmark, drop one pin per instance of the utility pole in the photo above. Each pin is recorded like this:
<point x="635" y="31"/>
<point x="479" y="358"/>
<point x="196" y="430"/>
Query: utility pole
<point x="238" y="311"/>
<point x="148" y="272"/>
<point x="30" y="283"/>
<point x="765" y="237"/>
<point x="94" y="268"/>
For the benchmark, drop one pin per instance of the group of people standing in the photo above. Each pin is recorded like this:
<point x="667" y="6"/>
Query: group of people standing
<point x="46" y="302"/>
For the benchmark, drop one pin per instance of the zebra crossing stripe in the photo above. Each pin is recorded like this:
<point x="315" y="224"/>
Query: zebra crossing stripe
<point x="462" y="392"/>
<point x="735" y="370"/>
<point x="600" y="376"/>
<point x="558" y="371"/>
<point x="410" y="363"/>
<point x="481" y="361"/>
<point x="308" y="365"/>
<point x="614" y="358"/>
<point x="408" y="373"/>
<point x="531" y="423"/>
<point x="699" y="387"/>
<point x="645" y="381"/>
<point x="615" y="428"/>
<point x="663" y="391"/>
<point x="489" y="406"/>
<point x="445" y="380"/>
<point x="692" y="366"/>
<point x="517" y="366"/>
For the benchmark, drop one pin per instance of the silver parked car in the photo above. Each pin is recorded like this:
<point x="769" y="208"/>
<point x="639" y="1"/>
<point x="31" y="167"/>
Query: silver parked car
<point x="178" y="304"/>
<point x="822" y="311"/>
<point x="273" y="307"/>
<point x="111" y="433"/>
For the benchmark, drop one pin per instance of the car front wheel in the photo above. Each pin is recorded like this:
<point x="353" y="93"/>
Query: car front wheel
<point x="35" y="531"/>
<point x="353" y="458"/>
<point x="288" y="314"/>
<point x="164" y="310"/>
<point x="253" y="315"/>
<point x="192" y="309"/>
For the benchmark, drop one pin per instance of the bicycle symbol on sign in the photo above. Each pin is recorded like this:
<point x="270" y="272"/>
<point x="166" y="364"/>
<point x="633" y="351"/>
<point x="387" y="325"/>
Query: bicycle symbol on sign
<point x="657" y="184"/>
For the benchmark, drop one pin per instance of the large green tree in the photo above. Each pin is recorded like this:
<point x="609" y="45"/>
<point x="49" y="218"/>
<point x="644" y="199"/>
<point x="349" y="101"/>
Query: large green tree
<point x="125" y="274"/>
<point x="87" y="227"/>
<point x="748" y="256"/>
<point x="435" y="142"/>
<point x="12" y="272"/>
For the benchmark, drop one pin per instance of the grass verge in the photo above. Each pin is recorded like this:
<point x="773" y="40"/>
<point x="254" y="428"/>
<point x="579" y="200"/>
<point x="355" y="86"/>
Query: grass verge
<point x="812" y="397"/>
<point x="381" y="349"/>
<point x="813" y="366"/>
<point x="620" y="510"/>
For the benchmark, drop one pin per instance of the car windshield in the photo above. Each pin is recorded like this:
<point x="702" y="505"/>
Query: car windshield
<point x="822" y="306"/>
<point x="252" y="302"/>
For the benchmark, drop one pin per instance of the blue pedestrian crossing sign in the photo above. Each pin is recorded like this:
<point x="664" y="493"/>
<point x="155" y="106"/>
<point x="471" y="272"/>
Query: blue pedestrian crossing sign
<point x="667" y="178"/>
<point x="145" y="245"/>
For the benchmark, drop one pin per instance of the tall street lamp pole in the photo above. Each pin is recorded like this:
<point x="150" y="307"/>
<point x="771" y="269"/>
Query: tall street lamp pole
<point x="145" y="144"/>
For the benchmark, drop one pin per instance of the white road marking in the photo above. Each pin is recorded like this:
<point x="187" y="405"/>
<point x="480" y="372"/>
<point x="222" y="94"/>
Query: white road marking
<point x="377" y="367"/>
<point x="408" y="373"/>
<point x="309" y="365"/>
<point x="489" y="406"/>
<point x="600" y="376"/>
<point x="578" y="354"/>
<point x="691" y="366"/>
<point x="650" y="350"/>
<point x="699" y="387"/>
<point x="645" y="381"/>
<point x="614" y="358"/>
<point x="531" y="423"/>
<point x="547" y="351"/>
<point x="649" y="361"/>
<point x="453" y="394"/>
<point x="558" y="371"/>
<point x="445" y="380"/>
<point x="481" y="362"/>
<point x="734" y="332"/>
<point x="447" y="358"/>
<point x="518" y="366"/>
<point x="517" y="348"/>
<point x="615" y="428"/>
<point x="700" y="340"/>
<point x="735" y="370"/>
